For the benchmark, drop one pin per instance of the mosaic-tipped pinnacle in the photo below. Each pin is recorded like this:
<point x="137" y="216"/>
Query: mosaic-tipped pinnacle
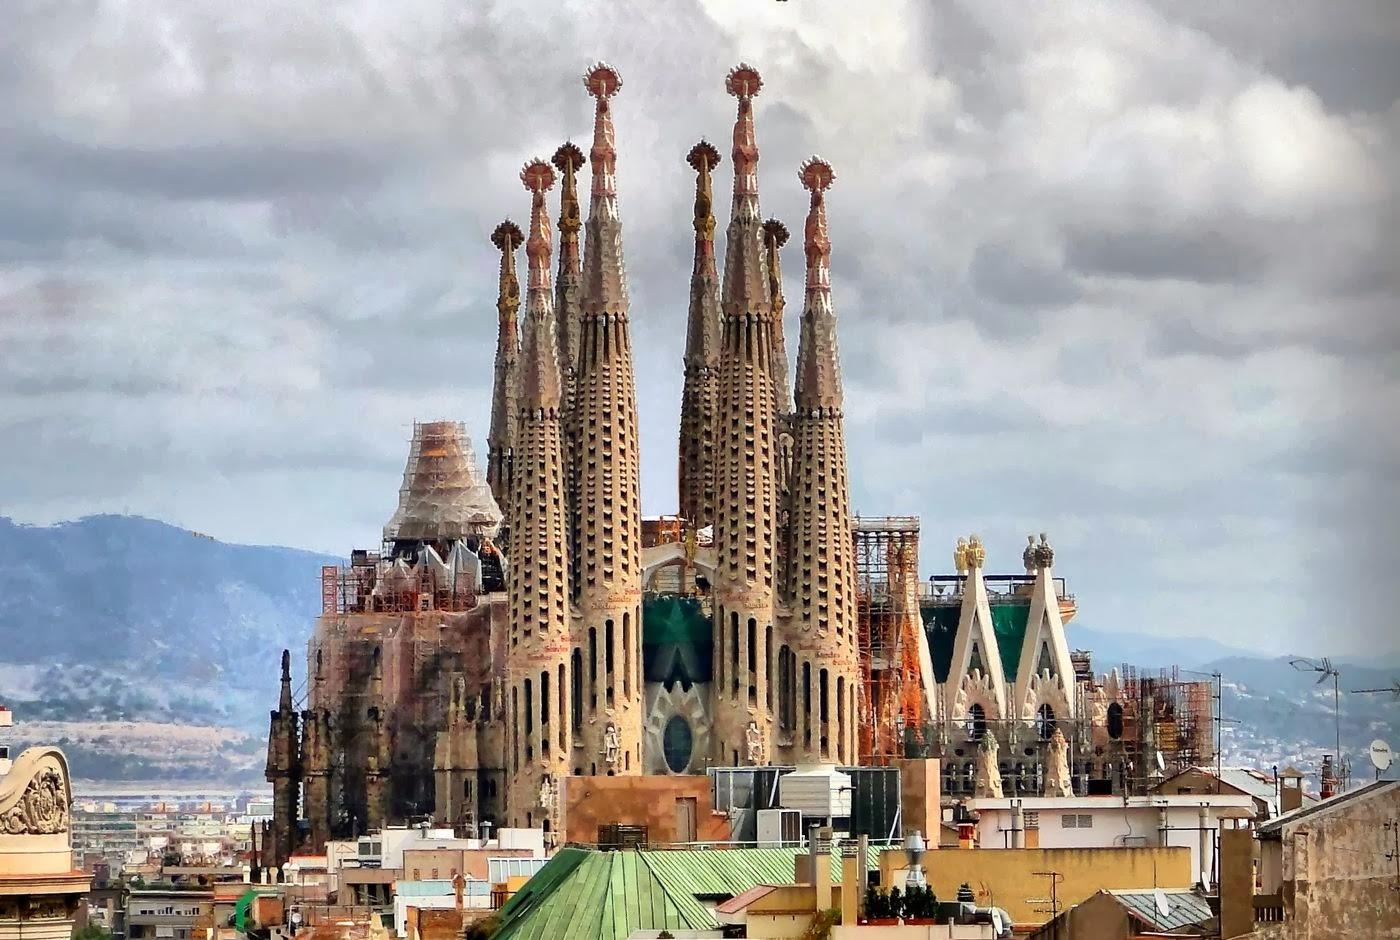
<point x="507" y="236"/>
<point x="743" y="81"/>
<point x="537" y="176"/>
<point x="703" y="151"/>
<point x="816" y="175"/>
<point x="568" y="155"/>
<point x="602" y="81"/>
<point x="777" y="231"/>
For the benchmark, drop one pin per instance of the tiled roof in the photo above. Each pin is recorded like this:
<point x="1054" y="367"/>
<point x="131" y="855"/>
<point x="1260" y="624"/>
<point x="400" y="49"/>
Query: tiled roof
<point x="1184" y="908"/>
<point x="1327" y="805"/>
<point x="606" y="895"/>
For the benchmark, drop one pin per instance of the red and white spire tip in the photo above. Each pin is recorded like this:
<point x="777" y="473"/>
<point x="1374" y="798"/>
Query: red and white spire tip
<point x="602" y="82"/>
<point x="743" y="81"/>
<point x="538" y="178"/>
<point x="817" y="176"/>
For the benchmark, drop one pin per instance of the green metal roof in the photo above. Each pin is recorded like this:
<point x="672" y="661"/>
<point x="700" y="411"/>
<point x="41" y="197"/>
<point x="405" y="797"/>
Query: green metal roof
<point x="1008" y="623"/>
<point x="607" y="895"/>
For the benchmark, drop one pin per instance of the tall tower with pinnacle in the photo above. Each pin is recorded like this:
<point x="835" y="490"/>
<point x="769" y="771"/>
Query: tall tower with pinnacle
<point x="608" y="570"/>
<point x="822" y="632"/>
<point x="505" y="388"/>
<point x="283" y="768"/>
<point x="568" y="317"/>
<point x="775" y="236"/>
<point x="703" y="332"/>
<point x="745" y="513"/>
<point x="538" y="655"/>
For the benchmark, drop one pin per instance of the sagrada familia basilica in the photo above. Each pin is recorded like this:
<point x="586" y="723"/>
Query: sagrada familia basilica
<point x="513" y="632"/>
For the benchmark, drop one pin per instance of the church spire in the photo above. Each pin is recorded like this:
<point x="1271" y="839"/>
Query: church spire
<point x="775" y="236"/>
<point x="746" y="517"/>
<point x="284" y="701"/>
<point x="568" y="310"/>
<point x="697" y="484"/>
<point x="505" y="390"/>
<point x="607" y="537"/>
<point x="823" y="595"/>
<point x="818" y="371"/>
<point x="540" y="362"/>
<point x="540" y="741"/>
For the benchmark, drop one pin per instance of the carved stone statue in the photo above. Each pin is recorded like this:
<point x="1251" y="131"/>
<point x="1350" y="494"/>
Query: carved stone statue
<point x="612" y="744"/>
<point x="753" y="740"/>
<point x="960" y="556"/>
<point x="547" y="794"/>
<point x="988" y="783"/>
<point x="1057" y="781"/>
<point x="1044" y="554"/>
<point x="1028" y="556"/>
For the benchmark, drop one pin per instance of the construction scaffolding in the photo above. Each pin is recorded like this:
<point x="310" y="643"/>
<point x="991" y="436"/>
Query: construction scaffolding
<point x="1169" y="722"/>
<point x="892" y="701"/>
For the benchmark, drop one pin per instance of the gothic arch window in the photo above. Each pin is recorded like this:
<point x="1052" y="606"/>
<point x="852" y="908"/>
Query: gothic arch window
<point x="1045" y="722"/>
<point x="976" y="722"/>
<point x="1115" y="721"/>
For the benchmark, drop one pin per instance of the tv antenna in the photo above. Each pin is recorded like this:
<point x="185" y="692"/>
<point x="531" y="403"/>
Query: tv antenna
<point x="1393" y="690"/>
<point x="1326" y="671"/>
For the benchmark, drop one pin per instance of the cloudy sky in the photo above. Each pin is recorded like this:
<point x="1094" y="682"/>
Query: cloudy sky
<point x="1124" y="272"/>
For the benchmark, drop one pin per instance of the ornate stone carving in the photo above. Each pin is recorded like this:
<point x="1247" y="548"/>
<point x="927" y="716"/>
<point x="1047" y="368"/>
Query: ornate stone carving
<point x="960" y="556"/>
<point x="43" y="807"/>
<point x="1044" y="554"/>
<point x="976" y="552"/>
<point x="1028" y="556"/>
<point x="988" y="783"/>
<point x="612" y="744"/>
<point x="753" y="742"/>
<point x="1057" y="766"/>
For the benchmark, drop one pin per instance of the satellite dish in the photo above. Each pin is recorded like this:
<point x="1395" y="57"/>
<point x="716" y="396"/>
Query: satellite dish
<point x="1380" y="755"/>
<point x="1161" y="764"/>
<point x="1163" y="909"/>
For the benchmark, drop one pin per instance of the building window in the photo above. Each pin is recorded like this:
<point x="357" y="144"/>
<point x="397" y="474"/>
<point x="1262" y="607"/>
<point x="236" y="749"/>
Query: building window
<point x="1076" y="821"/>
<point x="1045" y="722"/>
<point x="976" y="722"/>
<point x="677" y="744"/>
<point x="1115" y="721"/>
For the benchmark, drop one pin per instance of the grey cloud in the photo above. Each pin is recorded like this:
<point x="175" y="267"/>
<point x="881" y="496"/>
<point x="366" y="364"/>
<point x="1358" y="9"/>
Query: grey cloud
<point x="1204" y="256"/>
<point x="239" y="255"/>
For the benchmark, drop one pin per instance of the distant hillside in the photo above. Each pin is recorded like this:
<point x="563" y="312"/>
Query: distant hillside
<point x="117" y="627"/>
<point x="129" y="619"/>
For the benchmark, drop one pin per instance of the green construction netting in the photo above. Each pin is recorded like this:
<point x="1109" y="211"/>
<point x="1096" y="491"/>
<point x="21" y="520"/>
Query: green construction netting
<point x="941" y="628"/>
<point x="677" y="639"/>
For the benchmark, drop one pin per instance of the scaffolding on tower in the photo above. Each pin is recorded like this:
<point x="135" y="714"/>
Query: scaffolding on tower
<point x="892" y="712"/>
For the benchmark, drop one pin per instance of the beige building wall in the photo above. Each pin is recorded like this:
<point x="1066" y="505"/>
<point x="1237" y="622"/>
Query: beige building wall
<point x="1007" y="878"/>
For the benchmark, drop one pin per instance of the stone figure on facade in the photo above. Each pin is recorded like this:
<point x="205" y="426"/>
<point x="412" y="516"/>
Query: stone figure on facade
<point x="1044" y="554"/>
<point x="612" y="744"/>
<point x="1057" y="782"/>
<point x="988" y="783"/>
<point x="1028" y="556"/>
<point x="753" y="741"/>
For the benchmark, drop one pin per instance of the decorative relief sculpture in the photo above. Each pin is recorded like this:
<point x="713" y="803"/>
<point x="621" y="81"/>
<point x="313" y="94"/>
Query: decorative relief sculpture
<point x="1028" y="556"/>
<point x="1057" y="766"/>
<point x="43" y="807"/>
<point x="1044" y="554"/>
<point x="988" y="783"/>
<point x="612" y="744"/>
<point x="976" y="552"/>
<point x="960" y="556"/>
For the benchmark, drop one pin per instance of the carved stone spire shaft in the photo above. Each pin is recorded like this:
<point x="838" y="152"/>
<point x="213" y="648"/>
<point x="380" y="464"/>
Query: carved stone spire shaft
<point x="775" y="235"/>
<point x="537" y="658"/>
<point x="702" y="343"/>
<point x="745" y="512"/>
<point x="506" y="384"/>
<point x="607" y="557"/>
<point x="568" y="314"/>
<point x="823" y="632"/>
<point x="818" y="368"/>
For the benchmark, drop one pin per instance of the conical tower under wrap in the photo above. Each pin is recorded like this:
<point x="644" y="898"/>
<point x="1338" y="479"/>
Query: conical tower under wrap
<point x="442" y="497"/>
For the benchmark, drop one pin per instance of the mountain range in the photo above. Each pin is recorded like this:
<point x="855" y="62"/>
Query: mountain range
<point x="150" y="652"/>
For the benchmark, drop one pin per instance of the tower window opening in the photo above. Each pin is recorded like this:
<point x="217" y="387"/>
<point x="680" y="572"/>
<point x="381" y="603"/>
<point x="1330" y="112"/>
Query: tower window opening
<point x="976" y="722"/>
